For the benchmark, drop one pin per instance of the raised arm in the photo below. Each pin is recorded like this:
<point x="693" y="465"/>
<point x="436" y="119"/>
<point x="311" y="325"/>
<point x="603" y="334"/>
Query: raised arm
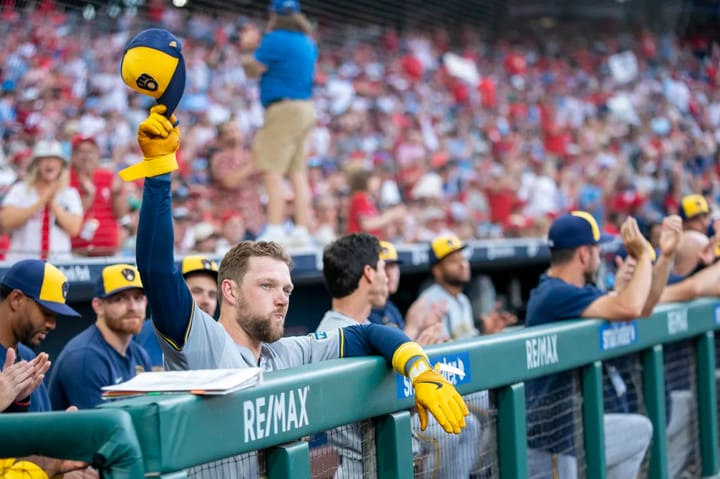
<point x="630" y="302"/>
<point x="669" y="242"/>
<point x="169" y="298"/>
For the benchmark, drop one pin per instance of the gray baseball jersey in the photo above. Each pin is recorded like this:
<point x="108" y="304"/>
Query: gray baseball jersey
<point x="209" y="346"/>
<point x="459" y="320"/>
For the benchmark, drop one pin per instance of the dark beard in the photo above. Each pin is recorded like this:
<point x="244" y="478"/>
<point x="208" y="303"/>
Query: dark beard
<point x="27" y="335"/>
<point x="258" y="327"/>
<point x="456" y="283"/>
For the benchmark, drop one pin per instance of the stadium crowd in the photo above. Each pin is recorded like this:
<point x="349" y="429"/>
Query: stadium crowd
<point x="552" y="122"/>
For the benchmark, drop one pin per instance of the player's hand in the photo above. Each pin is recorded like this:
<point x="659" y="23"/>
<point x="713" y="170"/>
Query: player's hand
<point x="625" y="272"/>
<point x="433" y="334"/>
<point x="497" y="320"/>
<point x="40" y="366"/>
<point x="633" y="240"/>
<point x="14" y="379"/>
<point x="159" y="139"/>
<point x="670" y="235"/>
<point x="435" y="394"/>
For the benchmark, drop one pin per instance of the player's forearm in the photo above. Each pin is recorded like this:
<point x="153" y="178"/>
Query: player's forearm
<point x="372" y="338"/>
<point x="167" y="293"/>
<point x="634" y="296"/>
<point x="660" y="274"/>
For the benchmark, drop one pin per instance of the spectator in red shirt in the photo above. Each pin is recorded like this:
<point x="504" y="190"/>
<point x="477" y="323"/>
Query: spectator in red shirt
<point x="103" y="198"/>
<point x="363" y="214"/>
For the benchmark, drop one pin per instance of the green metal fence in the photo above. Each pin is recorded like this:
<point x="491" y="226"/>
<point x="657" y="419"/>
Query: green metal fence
<point x="175" y="432"/>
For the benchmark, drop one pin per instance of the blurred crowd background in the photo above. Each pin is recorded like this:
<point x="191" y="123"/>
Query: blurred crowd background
<point x="485" y="119"/>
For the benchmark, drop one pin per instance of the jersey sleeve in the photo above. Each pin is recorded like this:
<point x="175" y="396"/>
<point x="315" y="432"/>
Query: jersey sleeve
<point x="371" y="338"/>
<point x="315" y="347"/>
<point x="79" y="380"/>
<point x="170" y="301"/>
<point x="202" y="349"/>
<point x="569" y="302"/>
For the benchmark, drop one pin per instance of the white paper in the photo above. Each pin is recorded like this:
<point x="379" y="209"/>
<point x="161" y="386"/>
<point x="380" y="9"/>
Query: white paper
<point x="201" y="381"/>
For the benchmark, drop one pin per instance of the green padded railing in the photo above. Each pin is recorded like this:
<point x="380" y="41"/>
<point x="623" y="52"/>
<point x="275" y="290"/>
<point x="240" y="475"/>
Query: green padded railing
<point x="179" y="431"/>
<point x="104" y="437"/>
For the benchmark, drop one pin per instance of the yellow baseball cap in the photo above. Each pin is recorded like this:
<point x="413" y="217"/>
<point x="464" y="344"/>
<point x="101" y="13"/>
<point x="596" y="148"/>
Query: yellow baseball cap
<point x="388" y="253"/>
<point x="117" y="278"/>
<point x="198" y="263"/>
<point x="443" y="246"/>
<point x="692" y="206"/>
<point x="42" y="282"/>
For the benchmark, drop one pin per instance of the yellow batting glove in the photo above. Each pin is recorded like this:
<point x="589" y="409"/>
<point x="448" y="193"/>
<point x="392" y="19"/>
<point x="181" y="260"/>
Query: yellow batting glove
<point x="432" y="391"/>
<point x="159" y="139"/>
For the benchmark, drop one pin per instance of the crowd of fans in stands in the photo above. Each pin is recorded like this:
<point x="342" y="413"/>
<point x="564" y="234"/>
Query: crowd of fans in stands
<point x="548" y="127"/>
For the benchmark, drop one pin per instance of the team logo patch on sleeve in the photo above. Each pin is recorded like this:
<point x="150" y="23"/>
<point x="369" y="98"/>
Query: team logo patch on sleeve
<point x="319" y="335"/>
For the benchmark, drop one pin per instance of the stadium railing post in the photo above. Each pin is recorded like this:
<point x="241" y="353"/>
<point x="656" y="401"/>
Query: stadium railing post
<point x="512" y="435"/>
<point x="707" y="403"/>
<point x="593" y="423"/>
<point x="289" y="460"/>
<point x="393" y="445"/>
<point x="654" y="389"/>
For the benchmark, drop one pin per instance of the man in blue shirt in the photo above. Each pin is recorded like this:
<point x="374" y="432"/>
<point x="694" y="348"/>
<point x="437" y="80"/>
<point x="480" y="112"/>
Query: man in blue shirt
<point x="566" y="292"/>
<point x="285" y="62"/>
<point x="32" y="295"/>
<point x="104" y="354"/>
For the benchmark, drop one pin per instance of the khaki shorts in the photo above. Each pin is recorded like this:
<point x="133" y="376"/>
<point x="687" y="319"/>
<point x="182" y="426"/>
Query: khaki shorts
<point x="279" y="146"/>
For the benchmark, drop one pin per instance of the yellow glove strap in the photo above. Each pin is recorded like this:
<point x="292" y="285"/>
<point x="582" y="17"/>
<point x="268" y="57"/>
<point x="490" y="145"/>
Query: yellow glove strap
<point x="410" y="360"/>
<point x="29" y="468"/>
<point x="150" y="167"/>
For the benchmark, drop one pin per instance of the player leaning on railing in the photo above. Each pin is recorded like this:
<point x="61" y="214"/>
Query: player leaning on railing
<point x="255" y="287"/>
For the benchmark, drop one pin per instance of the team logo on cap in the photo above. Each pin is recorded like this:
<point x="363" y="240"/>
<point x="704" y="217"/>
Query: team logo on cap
<point x="206" y="264"/>
<point x="128" y="274"/>
<point x="65" y="286"/>
<point x="146" y="82"/>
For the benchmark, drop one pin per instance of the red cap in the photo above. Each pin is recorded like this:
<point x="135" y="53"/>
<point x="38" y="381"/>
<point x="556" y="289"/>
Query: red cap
<point x="230" y="215"/>
<point x="79" y="138"/>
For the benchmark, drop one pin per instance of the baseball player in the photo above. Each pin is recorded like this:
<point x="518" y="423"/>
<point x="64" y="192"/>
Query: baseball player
<point x="255" y="287"/>
<point x="566" y="292"/>
<point x="355" y="276"/>
<point x="104" y="354"/>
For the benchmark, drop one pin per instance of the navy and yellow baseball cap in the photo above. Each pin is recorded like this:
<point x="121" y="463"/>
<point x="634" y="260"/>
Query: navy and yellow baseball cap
<point x="388" y="253"/>
<point x="443" y="246"/>
<point x="576" y="229"/>
<point x="117" y="278"/>
<point x="198" y="264"/>
<point x="153" y="64"/>
<point x="692" y="206"/>
<point x="42" y="282"/>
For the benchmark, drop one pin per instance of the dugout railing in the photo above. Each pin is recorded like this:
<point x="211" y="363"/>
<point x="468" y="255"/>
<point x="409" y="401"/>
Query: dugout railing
<point x="165" y="435"/>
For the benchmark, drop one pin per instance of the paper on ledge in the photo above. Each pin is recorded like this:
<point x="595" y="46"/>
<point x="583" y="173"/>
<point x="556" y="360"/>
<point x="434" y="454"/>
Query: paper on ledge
<point x="200" y="381"/>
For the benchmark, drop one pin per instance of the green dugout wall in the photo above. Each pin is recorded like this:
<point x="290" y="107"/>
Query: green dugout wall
<point x="164" y="435"/>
